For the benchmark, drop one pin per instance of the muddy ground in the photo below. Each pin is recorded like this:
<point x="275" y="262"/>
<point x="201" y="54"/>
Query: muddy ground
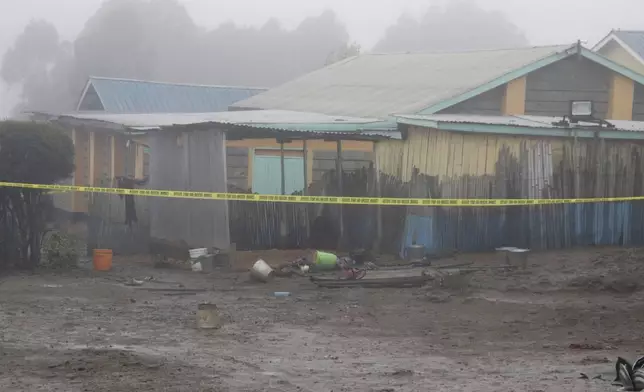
<point x="524" y="330"/>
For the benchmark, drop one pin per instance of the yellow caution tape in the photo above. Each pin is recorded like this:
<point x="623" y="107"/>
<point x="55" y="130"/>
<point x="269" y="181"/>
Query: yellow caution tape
<point x="318" y="199"/>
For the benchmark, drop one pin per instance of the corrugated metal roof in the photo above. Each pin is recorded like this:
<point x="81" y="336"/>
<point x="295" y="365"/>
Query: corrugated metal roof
<point x="534" y="126"/>
<point x="277" y="120"/>
<point x="379" y="85"/>
<point x="523" y="121"/>
<point x="634" y="39"/>
<point x="136" y="96"/>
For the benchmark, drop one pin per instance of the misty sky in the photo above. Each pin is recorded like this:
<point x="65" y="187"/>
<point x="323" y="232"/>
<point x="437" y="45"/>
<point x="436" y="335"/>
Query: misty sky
<point x="543" y="21"/>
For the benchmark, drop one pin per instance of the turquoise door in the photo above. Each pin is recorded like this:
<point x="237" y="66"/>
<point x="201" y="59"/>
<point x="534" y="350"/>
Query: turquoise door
<point x="267" y="172"/>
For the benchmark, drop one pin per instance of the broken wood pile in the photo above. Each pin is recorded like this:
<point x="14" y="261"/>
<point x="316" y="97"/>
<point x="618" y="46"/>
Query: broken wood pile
<point x="410" y="281"/>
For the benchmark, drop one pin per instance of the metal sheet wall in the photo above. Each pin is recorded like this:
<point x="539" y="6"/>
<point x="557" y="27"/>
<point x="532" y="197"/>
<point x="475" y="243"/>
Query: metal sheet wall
<point x="460" y="165"/>
<point x="191" y="161"/>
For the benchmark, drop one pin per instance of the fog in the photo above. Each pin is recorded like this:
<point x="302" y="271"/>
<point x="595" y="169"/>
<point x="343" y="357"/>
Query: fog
<point x="285" y="48"/>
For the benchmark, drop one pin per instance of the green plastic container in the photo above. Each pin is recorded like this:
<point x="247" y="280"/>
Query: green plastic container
<point x="324" y="261"/>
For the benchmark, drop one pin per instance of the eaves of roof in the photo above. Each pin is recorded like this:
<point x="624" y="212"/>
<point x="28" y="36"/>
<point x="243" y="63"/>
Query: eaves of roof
<point x="258" y="124"/>
<point x="614" y="37"/>
<point x="521" y="126"/>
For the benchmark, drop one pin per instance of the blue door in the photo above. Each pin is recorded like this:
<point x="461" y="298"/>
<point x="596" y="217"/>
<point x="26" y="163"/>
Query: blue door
<point x="267" y="178"/>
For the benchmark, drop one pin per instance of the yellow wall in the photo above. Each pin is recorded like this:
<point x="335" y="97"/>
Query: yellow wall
<point x="621" y="56"/>
<point x="514" y="97"/>
<point x="100" y="159"/>
<point x="620" y="101"/>
<point x="81" y="174"/>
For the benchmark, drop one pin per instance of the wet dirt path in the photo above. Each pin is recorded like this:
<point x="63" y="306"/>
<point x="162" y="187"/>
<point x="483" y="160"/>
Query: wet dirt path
<point x="87" y="332"/>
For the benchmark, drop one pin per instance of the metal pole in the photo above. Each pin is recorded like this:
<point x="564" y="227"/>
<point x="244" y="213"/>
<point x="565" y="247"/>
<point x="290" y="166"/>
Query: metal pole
<point x="379" y="207"/>
<point x="282" y="167"/>
<point x="305" y="158"/>
<point x="283" y="209"/>
<point x="305" y="191"/>
<point x="338" y="171"/>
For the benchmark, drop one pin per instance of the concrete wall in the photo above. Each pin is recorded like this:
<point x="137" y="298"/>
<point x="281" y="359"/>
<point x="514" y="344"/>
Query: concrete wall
<point x="550" y="89"/>
<point x="189" y="161"/>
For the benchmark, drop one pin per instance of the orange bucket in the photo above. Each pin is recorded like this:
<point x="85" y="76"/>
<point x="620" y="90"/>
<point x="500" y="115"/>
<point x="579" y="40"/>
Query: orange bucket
<point x="102" y="259"/>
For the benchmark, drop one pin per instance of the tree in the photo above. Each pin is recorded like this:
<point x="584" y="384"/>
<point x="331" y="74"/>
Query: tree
<point x="349" y="50"/>
<point x="460" y="25"/>
<point x="36" y="154"/>
<point x="38" y="62"/>
<point x="157" y="40"/>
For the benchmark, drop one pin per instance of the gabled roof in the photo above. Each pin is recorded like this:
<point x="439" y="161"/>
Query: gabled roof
<point x="380" y="85"/>
<point x="137" y="96"/>
<point x="631" y="40"/>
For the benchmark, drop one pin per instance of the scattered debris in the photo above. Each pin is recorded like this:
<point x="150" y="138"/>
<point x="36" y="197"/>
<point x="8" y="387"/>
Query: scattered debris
<point x="187" y="293"/>
<point x="321" y="261"/>
<point x="439" y="298"/>
<point x="450" y="266"/>
<point x="520" y="254"/>
<point x="346" y="265"/>
<point x="197" y="253"/>
<point x="370" y="266"/>
<point x="415" y="253"/>
<point x="203" y="259"/>
<point x="282" y="294"/>
<point x="594" y="360"/>
<point x="589" y="346"/>
<point x="403" y="373"/>
<point x="133" y="282"/>
<point x="163" y="262"/>
<point x="208" y="316"/>
<point x="411" y="281"/>
<point x="261" y="271"/>
<point x="623" y="284"/>
<point x="173" y="290"/>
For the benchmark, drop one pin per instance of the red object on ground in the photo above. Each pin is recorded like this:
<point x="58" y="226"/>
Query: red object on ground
<point x="354" y="273"/>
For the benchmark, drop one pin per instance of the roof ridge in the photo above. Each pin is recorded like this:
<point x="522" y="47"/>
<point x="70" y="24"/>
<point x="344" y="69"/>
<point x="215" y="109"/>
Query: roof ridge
<point x="628" y="31"/>
<point x="523" y="48"/>
<point x="91" y="77"/>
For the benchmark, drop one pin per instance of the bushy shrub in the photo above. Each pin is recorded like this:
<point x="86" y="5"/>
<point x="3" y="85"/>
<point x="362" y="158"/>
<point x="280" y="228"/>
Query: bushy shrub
<point x="33" y="153"/>
<point x="60" y="251"/>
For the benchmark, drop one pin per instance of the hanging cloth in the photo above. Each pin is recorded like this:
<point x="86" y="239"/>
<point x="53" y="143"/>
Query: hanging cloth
<point x="130" y="182"/>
